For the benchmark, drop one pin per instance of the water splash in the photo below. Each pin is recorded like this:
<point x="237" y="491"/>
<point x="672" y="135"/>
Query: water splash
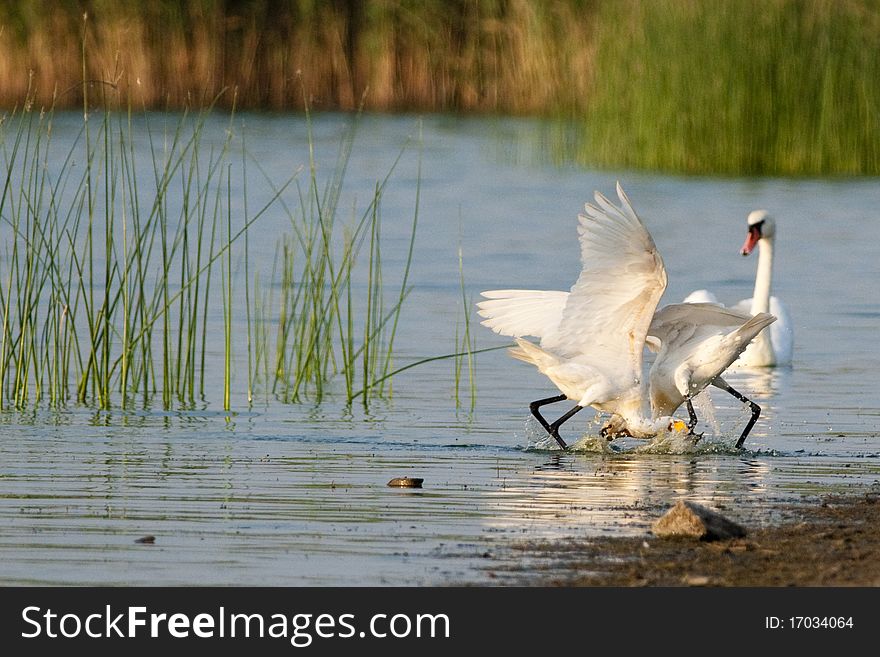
<point x="537" y="438"/>
<point x="682" y="443"/>
<point x="595" y="445"/>
<point x="705" y="408"/>
<point x="541" y="443"/>
<point x="672" y="442"/>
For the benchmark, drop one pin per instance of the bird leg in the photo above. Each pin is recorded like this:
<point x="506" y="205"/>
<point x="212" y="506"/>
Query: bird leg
<point x="756" y="410"/>
<point x="693" y="418"/>
<point x="555" y="426"/>
<point x="552" y="429"/>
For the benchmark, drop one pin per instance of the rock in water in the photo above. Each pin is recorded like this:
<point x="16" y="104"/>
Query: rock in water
<point x="690" y="520"/>
<point x="406" y="482"/>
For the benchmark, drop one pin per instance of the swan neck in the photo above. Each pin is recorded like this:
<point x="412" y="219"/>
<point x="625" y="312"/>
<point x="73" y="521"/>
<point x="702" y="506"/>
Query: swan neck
<point x="761" y="297"/>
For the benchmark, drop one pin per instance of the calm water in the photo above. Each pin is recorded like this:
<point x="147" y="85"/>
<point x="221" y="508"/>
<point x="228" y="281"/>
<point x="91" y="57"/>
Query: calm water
<point x="282" y="494"/>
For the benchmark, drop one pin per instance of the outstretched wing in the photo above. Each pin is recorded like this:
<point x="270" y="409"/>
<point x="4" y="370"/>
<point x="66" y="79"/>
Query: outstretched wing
<point x="680" y="325"/>
<point x="522" y="312"/>
<point x="607" y="314"/>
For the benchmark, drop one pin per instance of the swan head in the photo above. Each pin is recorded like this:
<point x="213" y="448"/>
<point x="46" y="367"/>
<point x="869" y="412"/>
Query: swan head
<point x="761" y="226"/>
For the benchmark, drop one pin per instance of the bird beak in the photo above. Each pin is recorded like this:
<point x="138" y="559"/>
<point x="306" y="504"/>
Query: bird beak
<point x="678" y="425"/>
<point x="751" y="239"/>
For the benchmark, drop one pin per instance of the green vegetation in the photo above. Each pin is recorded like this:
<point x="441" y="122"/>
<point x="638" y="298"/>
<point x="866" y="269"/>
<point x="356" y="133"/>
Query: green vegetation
<point x="116" y="247"/>
<point x="105" y="286"/>
<point x="727" y="86"/>
<point x="465" y="345"/>
<point x="737" y="86"/>
<point x="320" y="329"/>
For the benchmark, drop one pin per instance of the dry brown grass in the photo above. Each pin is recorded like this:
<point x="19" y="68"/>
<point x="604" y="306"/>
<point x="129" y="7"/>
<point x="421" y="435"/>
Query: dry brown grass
<point x="509" y="56"/>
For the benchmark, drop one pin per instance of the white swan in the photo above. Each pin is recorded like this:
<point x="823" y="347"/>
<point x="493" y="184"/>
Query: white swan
<point x="593" y="338"/>
<point x="772" y="347"/>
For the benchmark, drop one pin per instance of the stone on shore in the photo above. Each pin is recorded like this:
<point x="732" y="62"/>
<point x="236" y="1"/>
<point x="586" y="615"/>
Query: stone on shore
<point x="690" y="520"/>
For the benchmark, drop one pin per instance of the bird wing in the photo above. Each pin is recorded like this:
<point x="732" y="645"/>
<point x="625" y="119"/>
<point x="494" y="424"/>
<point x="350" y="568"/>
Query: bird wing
<point x="522" y="312"/>
<point x="693" y="335"/>
<point x="679" y="325"/>
<point x="607" y="314"/>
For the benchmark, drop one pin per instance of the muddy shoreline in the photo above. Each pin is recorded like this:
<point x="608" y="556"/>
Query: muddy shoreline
<point x="832" y="542"/>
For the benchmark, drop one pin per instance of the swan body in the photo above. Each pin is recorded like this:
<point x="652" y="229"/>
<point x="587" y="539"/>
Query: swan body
<point x="774" y="346"/>
<point x="592" y="338"/>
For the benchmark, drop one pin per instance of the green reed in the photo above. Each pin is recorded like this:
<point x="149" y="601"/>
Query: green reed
<point x="98" y="272"/>
<point x="465" y="345"/>
<point x="119" y="259"/>
<point x="331" y="317"/>
<point x="736" y="86"/>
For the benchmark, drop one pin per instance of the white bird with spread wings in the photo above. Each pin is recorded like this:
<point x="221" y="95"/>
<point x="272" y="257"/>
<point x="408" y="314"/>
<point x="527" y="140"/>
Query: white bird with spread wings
<point x="592" y="338"/>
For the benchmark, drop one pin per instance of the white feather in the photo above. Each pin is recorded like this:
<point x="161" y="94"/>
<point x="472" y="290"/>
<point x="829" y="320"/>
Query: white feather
<point x="522" y="312"/>
<point x="607" y="314"/>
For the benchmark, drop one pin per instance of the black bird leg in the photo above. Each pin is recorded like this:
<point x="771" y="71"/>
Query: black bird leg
<point x="535" y="405"/>
<point x="693" y="418"/>
<point x="552" y="429"/>
<point x="756" y="410"/>
<point x="555" y="426"/>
